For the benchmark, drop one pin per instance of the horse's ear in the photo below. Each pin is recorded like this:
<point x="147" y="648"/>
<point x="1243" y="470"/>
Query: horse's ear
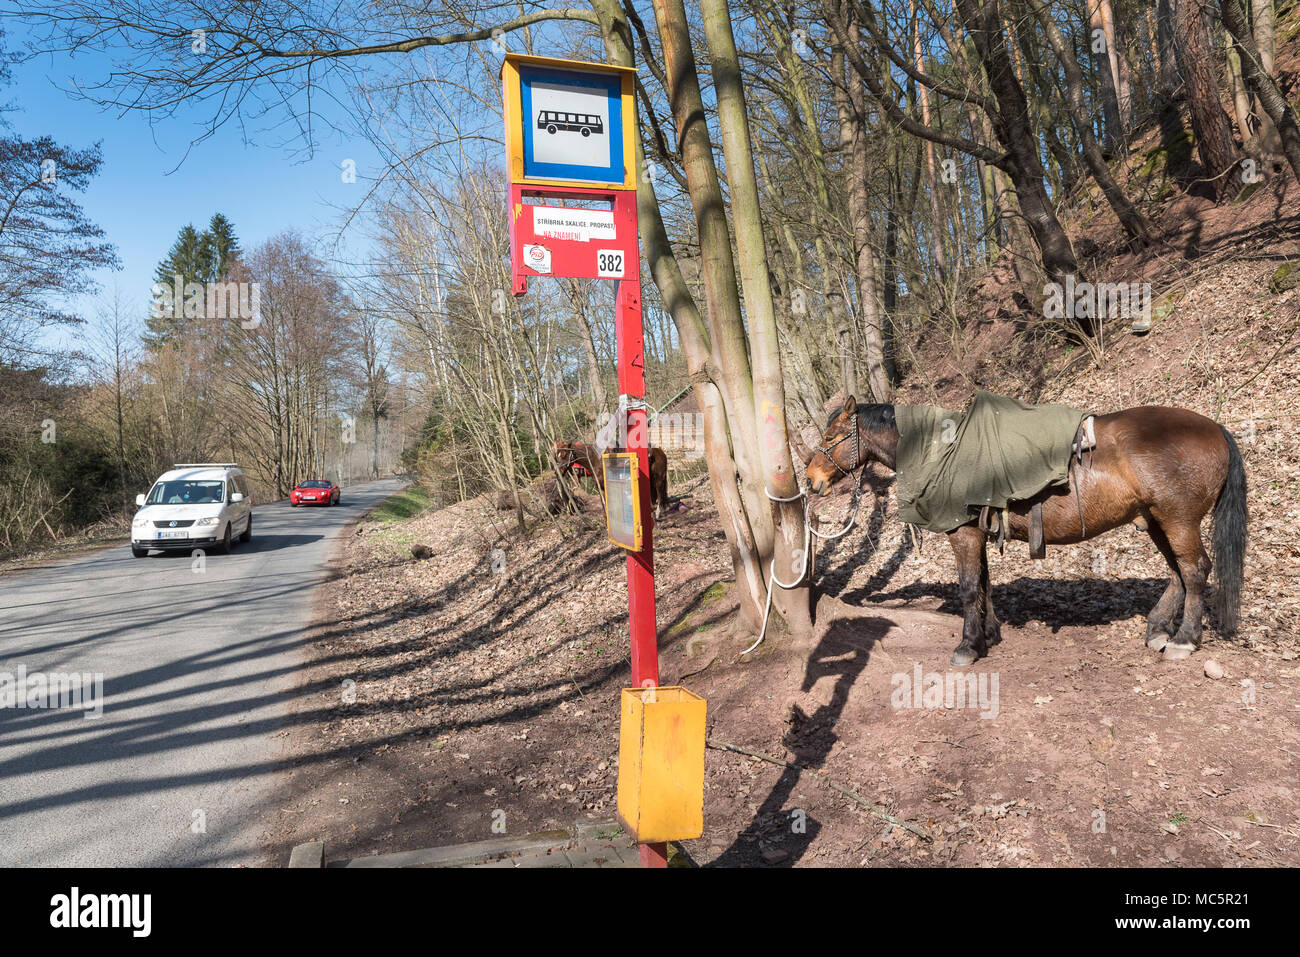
<point x="850" y="405"/>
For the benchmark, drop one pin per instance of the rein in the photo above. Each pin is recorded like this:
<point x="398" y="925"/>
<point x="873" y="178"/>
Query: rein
<point x="860" y="464"/>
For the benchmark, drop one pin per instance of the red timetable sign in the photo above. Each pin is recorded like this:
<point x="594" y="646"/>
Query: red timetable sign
<point x="549" y="239"/>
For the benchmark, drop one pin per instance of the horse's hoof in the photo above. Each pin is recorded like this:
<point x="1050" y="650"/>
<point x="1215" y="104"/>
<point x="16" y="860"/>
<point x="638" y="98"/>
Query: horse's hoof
<point x="1157" y="640"/>
<point x="964" y="656"/>
<point x="1175" y="652"/>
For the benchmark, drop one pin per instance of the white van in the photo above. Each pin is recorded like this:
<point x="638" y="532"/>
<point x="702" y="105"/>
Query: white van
<point x="195" y="505"/>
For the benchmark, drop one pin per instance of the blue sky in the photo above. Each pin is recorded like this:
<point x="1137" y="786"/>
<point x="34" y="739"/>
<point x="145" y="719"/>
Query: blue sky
<point x="141" y="198"/>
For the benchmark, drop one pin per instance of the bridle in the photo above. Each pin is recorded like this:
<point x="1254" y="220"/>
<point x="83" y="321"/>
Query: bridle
<point x="567" y="457"/>
<point x="857" y="449"/>
<point x="859" y="462"/>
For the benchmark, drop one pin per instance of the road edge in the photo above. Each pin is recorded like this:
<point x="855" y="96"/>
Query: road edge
<point x="272" y="850"/>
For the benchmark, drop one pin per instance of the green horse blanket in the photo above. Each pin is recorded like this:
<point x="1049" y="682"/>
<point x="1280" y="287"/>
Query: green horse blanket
<point x="952" y="464"/>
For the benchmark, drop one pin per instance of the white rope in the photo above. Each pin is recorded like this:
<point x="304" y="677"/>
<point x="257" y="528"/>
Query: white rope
<point x="792" y="498"/>
<point x="809" y="554"/>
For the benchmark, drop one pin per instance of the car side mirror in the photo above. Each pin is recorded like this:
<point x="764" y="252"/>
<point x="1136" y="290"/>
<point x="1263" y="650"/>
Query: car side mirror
<point x="139" y="499"/>
<point x="237" y="497"/>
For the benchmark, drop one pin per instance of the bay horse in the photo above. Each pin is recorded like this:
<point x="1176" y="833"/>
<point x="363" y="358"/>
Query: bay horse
<point x="579" y="457"/>
<point x="1162" y="468"/>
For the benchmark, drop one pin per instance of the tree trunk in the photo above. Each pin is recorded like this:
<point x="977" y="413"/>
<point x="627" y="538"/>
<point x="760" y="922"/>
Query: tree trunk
<point x="1270" y="139"/>
<point x="1242" y="105"/>
<point x="717" y="265"/>
<point x="749" y="530"/>
<point x="981" y="129"/>
<point x="1133" y="222"/>
<point x="889" y="261"/>
<point x="764" y="344"/>
<point x="853" y="140"/>
<point x="1118" y="65"/>
<point x="1262" y="84"/>
<point x="1041" y="98"/>
<point x="1100" y="42"/>
<point x="800" y="374"/>
<point x="1210" y="124"/>
<point x="824" y="218"/>
<point x="938" y="232"/>
<point x="1015" y="132"/>
<point x="1169" y="77"/>
<point x="121" y="419"/>
<point x="577" y="301"/>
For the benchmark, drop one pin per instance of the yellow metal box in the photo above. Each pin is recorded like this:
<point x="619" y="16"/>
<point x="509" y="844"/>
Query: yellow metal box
<point x="661" y="764"/>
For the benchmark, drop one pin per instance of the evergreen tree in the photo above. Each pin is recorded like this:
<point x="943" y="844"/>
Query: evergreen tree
<point x="201" y="257"/>
<point x="225" y="246"/>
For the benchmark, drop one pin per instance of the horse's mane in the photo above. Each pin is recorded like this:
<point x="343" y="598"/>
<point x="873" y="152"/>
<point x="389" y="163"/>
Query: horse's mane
<point x="874" y="416"/>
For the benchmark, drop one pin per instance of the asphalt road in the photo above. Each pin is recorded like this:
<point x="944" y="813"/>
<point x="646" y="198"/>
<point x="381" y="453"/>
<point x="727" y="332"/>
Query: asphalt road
<point x="183" y="766"/>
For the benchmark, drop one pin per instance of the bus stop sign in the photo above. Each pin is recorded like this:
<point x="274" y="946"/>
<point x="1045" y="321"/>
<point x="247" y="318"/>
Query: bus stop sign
<point x="569" y="123"/>
<point x="569" y="134"/>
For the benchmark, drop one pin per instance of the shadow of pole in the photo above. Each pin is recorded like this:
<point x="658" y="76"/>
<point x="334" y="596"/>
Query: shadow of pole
<point x="842" y="653"/>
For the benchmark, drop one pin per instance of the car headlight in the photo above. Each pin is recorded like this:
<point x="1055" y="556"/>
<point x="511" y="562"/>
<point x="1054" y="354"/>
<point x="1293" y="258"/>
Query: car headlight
<point x="139" y="521"/>
<point x="209" y="521"/>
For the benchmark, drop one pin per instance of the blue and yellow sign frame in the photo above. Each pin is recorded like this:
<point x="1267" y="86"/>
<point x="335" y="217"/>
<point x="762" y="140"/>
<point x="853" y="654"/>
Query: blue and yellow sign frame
<point x="524" y="77"/>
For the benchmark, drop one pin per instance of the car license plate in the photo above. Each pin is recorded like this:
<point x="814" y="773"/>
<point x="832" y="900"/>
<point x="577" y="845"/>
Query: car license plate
<point x="174" y="533"/>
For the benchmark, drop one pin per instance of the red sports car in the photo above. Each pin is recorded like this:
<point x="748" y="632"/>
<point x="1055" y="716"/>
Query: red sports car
<point x="314" y="492"/>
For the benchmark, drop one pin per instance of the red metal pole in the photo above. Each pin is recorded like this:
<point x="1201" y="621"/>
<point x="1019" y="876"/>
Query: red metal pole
<point x="640" y="565"/>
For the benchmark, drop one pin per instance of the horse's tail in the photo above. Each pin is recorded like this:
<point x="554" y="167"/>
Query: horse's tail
<point x="1230" y="539"/>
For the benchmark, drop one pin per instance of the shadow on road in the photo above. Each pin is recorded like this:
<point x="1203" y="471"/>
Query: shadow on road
<point x="261" y="542"/>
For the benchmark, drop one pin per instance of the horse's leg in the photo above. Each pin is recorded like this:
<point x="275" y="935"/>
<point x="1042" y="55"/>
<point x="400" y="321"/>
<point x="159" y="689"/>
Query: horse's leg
<point x="1160" y="620"/>
<point x="992" y="627"/>
<point x="968" y="546"/>
<point x="663" y="488"/>
<point x="1194" y="566"/>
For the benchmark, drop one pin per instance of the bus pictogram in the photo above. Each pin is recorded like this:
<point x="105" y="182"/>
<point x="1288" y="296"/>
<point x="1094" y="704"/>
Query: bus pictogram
<point x="553" y="121"/>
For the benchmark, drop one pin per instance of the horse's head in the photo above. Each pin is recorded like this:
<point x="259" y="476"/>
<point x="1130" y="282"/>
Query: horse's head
<point x="854" y="435"/>
<point x="564" y="455"/>
<point x="569" y="454"/>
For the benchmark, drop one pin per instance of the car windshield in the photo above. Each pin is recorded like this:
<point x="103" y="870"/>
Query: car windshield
<point x="187" y="493"/>
<point x="315" y="483"/>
